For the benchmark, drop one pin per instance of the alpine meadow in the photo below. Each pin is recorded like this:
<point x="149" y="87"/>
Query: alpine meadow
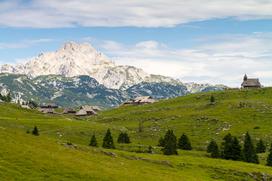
<point x="135" y="90"/>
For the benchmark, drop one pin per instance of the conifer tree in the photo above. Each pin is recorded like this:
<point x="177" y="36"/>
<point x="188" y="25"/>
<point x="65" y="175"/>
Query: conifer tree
<point x="249" y="151"/>
<point x="161" y="142"/>
<point x="184" y="143"/>
<point x="170" y="143"/>
<point x="35" y="131"/>
<point x="213" y="149"/>
<point x="212" y="99"/>
<point x="227" y="147"/>
<point x="123" y="138"/>
<point x="269" y="158"/>
<point x="260" y="147"/>
<point x="93" y="141"/>
<point x="108" y="140"/>
<point x="236" y="149"/>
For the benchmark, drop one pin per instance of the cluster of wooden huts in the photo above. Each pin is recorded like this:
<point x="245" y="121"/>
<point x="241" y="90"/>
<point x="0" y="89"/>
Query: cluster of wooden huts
<point x="140" y="100"/>
<point x="86" y="110"/>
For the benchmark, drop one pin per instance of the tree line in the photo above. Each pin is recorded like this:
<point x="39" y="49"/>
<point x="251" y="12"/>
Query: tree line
<point x="231" y="148"/>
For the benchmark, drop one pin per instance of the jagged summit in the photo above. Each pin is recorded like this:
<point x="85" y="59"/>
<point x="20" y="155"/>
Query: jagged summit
<point x="74" y="59"/>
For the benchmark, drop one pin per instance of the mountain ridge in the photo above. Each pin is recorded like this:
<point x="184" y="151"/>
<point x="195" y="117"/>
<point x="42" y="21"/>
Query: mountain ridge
<point x="105" y="83"/>
<point x="82" y="59"/>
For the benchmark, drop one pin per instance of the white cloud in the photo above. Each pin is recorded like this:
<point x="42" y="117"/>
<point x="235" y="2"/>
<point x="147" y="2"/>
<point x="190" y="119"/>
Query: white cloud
<point x="23" y="43"/>
<point x="223" y="62"/>
<point x="140" y="13"/>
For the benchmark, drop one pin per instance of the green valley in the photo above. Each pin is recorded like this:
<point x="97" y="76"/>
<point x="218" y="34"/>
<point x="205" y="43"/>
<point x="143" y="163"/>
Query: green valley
<point x="61" y="151"/>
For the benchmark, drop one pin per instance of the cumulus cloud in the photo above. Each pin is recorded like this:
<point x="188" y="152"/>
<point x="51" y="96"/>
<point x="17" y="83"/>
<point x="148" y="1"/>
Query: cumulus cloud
<point x="112" y="13"/>
<point x="222" y="62"/>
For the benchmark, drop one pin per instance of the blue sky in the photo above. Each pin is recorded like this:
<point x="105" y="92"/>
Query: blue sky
<point x="212" y="43"/>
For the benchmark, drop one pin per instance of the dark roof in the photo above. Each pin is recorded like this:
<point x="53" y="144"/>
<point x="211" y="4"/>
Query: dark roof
<point x="251" y="83"/>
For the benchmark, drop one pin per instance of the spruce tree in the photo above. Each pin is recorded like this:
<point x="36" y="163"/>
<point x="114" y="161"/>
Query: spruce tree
<point x="161" y="142"/>
<point x="170" y="143"/>
<point x="108" y="140"/>
<point x="260" y="147"/>
<point x="269" y="158"/>
<point x="227" y="147"/>
<point x="184" y="143"/>
<point x="123" y="138"/>
<point x="212" y="99"/>
<point x="35" y="131"/>
<point x="213" y="149"/>
<point x="236" y="149"/>
<point x="93" y="141"/>
<point x="249" y="151"/>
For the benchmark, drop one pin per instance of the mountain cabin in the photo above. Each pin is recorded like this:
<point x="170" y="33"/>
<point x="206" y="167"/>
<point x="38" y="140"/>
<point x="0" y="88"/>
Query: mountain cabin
<point x="251" y="83"/>
<point x="141" y="100"/>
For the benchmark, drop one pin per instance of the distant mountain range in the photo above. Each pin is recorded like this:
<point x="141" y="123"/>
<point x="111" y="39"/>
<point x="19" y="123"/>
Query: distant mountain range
<point x="77" y="74"/>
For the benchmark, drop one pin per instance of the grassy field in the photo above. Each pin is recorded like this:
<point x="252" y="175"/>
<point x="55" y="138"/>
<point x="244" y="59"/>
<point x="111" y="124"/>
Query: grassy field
<point x="49" y="157"/>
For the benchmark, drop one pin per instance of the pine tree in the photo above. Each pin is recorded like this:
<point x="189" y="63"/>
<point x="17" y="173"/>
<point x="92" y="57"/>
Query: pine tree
<point x="227" y="147"/>
<point x="93" y="141"/>
<point x="170" y="143"/>
<point x="212" y="99"/>
<point x="249" y="151"/>
<point x="161" y="142"/>
<point x="213" y="149"/>
<point x="184" y="143"/>
<point x="269" y="158"/>
<point x="236" y="149"/>
<point x="35" y="131"/>
<point x="108" y="141"/>
<point x="260" y="147"/>
<point x="123" y="138"/>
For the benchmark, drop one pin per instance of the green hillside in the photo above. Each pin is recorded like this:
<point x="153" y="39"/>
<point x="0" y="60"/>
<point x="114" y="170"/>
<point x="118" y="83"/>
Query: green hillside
<point x="61" y="151"/>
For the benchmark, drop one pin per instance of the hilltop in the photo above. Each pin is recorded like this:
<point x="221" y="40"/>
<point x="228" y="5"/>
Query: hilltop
<point x="61" y="151"/>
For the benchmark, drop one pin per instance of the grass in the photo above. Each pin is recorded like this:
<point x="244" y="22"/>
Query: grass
<point x="48" y="157"/>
